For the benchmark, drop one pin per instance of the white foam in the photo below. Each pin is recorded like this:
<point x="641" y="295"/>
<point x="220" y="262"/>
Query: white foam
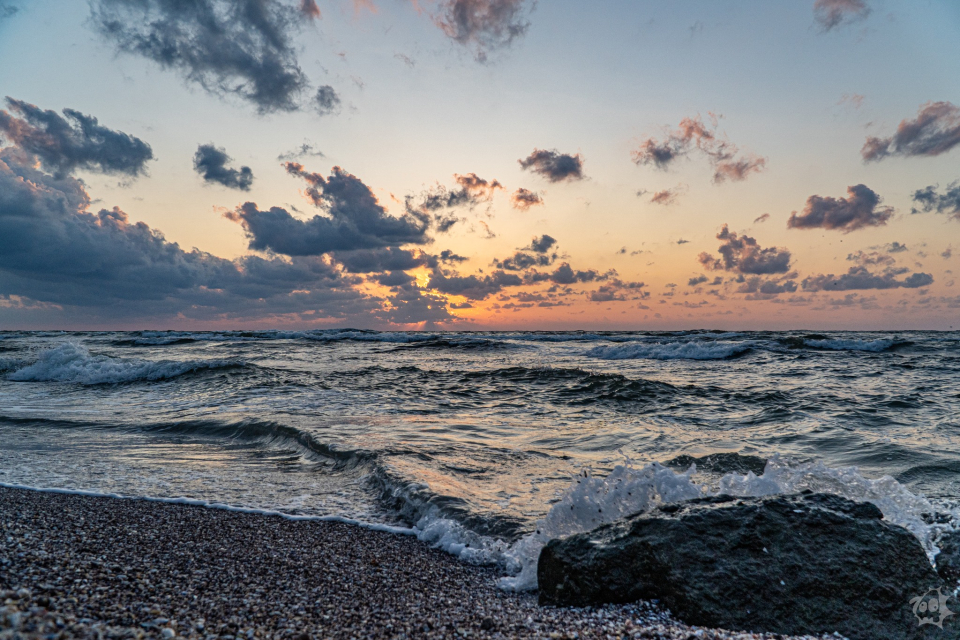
<point x="851" y="345"/>
<point x="693" y="350"/>
<point x="71" y="362"/>
<point x="590" y="502"/>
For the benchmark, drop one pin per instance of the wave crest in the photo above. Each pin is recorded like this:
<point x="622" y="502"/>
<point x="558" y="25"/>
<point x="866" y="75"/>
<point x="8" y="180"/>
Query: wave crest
<point x="71" y="362"/>
<point x="672" y="351"/>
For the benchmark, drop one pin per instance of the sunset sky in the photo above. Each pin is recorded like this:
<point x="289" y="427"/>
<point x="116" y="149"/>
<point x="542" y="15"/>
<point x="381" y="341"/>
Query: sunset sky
<point x="479" y="164"/>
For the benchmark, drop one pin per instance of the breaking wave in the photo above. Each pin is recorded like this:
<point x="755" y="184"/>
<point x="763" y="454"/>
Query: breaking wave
<point x="71" y="362"/>
<point x="672" y="351"/>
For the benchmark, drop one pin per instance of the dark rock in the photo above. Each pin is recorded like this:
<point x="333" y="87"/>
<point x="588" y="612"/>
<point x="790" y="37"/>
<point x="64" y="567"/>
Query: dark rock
<point x="948" y="560"/>
<point x="799" y="564"/>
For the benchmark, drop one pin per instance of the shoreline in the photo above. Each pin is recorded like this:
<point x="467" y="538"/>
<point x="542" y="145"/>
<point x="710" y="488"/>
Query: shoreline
<point x="96" y="566"/>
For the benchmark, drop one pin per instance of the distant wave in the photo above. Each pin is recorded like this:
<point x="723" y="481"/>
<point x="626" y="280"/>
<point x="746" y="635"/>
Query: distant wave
<point x="71" y="362"/>
<point x="672" y="351"/>
<point x="852" y="345"/>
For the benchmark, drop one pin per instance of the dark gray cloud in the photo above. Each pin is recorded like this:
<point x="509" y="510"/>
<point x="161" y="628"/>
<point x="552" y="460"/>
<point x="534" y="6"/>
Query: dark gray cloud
<point x="872" y="258"/>
<point x="861" y="208"/>
<point x="947" y="202"/>
<point x="617" y="290"/>
<point x="553" y="165"/>
<point x="742" y="254"/>
<point x="833" y="13"/>
<point x="542" y="244"/>
<point x="698" y="280"/>
<point x="326" y="101"/>
<point x="859" y="277"/>
<point x="565" y="274"/>
<point x="103" y="265"/>
<point x="75" y="142"/>
<point x="472" y="287"/>
<point x="693" y="134"/>
<point x="761" y="218"/>
<point x="354" y="220"/>
<point x="936" y="130"/>
<point x="894" y="247"/>
<point x="388" y="259"/>
<point x="211" y="163"/>
<point x="758" y="288"/>
<point x="484" y="25"/>
<point x="240" y="47"/>
<point x="523" y="199"/>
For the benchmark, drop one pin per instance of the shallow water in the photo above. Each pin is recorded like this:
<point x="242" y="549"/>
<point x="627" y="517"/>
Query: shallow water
<point x="480" y="431"/>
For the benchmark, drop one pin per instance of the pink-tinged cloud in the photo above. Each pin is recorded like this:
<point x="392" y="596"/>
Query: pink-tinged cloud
<point x="694" y="135"/>
<point x="523" y="199"/>
<point x="935" y="130"/>
<point x="483" y="25"/>
<point x="861" y="208"/>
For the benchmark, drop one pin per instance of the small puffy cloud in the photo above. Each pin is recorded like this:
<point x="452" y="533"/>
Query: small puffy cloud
<point x="861" y="208"/>
<point x="693" y="134"/>
<point x="211" y="163"/>
<point x="833" y="13"/>
<point x="947" y="202"/>
<point x="553" y="165"/>
<point x="542" y="244"/>
<point x="859" y="277"/>
<point x="935" y="130"/>
<point x="565" y="274"/>
<point x="534" y="255"/>
<point x="758" y="288"/>
<point x="75" y="142"/>
<point x="617" y="291"/>
<point x="697" y="280"/>
<point x="354" y="219"/>
<point x="523" y="199"/>
<point x="742" y="254"/>
<point x="894" y="247"/>
<point x="225" y="46"/>
<point x="483" y="25"/>
<point x="326" y="101"/>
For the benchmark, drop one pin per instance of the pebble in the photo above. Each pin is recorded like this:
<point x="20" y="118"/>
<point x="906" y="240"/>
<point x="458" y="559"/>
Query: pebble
<point x="106" y="568"/>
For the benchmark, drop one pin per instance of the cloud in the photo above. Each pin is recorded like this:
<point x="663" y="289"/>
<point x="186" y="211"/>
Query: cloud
<point x="859" y="277"/>
<point x="742" y="254"/>
<point x="472" y="287"/>
<point x="758" y="288"/>
<point x="895" y="247"/>
<point x="553" y="165"/>
<point x="354" y="219"/>
<point x="860" y="209"/>
<point x="75" y="142"/>
<point x="617" y="291"/>
<point x="697" y="280"/>
<point x="873" y="258"/>
<point x="833" y="13"/>
<point x="565" y="274"/>
<point x="473" y="190"/>
<point x="7" y="10"/>
<point x="691" y="135"/>
<point x="667" y="196"/>
<point x="483" y="25"/>
<point x="304" y="150"/>
<point x="523" y="199"/>
<point x="542" y="244"/>
<point x="211" y="163"/>
<point x="240" y="47"/>
<point x="936" y="130"/>
<point x="947" y="202"/>
<point x="326" y="101"/>
<point x="388" y="259"/>
<point x="761" y="218"/>
<point x="101" y="265"/>
<point x="310" y="9"/>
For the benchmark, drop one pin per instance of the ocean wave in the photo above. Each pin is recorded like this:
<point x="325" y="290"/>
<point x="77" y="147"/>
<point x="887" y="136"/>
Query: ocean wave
<point x="71" y="362"/>
<point x="853" y="345"/>
<point x="693" y="350"/>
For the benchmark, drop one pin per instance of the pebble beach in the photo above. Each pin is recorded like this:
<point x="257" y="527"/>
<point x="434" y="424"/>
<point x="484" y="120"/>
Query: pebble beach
<point x="98" y="567"/>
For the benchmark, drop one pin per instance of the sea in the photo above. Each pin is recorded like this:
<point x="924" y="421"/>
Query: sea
<point x="486" y="444"/>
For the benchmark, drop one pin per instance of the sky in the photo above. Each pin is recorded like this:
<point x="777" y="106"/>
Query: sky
<point x="479" y="164"/>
